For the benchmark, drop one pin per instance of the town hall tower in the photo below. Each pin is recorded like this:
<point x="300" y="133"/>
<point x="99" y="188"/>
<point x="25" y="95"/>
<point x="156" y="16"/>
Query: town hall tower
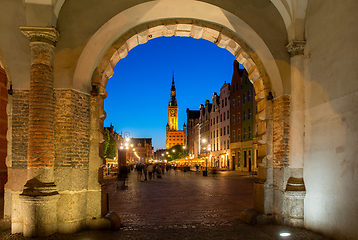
<point x="174" y="136"/>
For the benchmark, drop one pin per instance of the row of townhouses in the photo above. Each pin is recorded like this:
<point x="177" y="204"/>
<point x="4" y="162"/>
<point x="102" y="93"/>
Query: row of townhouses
<point x="222" y="132"/>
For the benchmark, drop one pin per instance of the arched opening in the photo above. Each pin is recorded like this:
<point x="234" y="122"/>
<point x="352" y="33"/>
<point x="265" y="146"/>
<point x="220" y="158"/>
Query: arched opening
<point x="222" y="37"/>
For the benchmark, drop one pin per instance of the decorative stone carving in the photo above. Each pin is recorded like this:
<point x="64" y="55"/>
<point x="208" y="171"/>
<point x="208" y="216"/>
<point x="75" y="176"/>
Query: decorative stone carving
<point x="45" y="35"/>
<point x="296" y="48"/>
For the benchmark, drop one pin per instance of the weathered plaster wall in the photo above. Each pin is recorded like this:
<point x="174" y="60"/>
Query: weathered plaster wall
<point x="14" y="47"/>
<point x="331" y="98"/>
<point x="76" y="29"/>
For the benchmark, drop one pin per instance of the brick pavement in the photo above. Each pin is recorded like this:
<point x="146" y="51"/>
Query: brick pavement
<point x="183" y="205"/>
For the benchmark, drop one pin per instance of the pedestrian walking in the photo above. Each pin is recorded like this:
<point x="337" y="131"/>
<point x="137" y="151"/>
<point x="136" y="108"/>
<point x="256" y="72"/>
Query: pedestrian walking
<point x="158" y="170"/>
<point x="145" y="168"/>
<point x="150" y="171"/>
<point x="197" y="168"/>
<point x="139" y="172"/>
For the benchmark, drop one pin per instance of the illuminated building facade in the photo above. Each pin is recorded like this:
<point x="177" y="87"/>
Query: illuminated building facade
<point x="174" y="135"/>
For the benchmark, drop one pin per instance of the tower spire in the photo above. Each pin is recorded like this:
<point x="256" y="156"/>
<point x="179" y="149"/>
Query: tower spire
<point x="173" y="100"/>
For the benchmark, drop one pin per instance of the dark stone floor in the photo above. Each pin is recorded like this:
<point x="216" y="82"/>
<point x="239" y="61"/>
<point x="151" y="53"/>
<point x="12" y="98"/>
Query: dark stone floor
<point x="183" y="205"/>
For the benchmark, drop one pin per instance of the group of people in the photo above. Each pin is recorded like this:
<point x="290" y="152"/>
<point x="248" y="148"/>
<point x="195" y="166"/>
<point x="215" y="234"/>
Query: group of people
<point x="150" y="170"/>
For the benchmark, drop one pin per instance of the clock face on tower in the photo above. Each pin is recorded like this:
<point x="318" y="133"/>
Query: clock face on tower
<point x="172" y="113"/>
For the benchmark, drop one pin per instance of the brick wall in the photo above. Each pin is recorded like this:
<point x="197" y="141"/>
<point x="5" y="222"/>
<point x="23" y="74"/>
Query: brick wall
<point x="281" y="131"/>
<point x="20" y="120"/>
<point x="71" y="129"/>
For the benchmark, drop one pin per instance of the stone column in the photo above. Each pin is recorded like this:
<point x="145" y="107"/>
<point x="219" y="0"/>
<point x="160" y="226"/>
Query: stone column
<point x="295" y="188"/>
<point x="39" y="196"/>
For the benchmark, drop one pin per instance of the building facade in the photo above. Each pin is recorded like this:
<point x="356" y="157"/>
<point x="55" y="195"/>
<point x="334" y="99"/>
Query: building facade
<point x="224" y="126"/>
<point x="243" y="123"/>
<point x="192" y="128"/>
<point x="236" y="117"/>
<point x="174" y="136"/>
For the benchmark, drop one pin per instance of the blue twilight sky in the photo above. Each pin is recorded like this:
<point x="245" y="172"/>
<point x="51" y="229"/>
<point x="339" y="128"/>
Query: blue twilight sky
<point x="139" y="90"/>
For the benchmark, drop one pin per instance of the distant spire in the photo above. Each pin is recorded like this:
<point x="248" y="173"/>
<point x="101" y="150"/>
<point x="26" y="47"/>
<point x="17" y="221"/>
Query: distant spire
<point x="173" y="100"/>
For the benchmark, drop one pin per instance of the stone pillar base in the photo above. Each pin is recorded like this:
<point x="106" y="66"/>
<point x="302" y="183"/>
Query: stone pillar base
<point x="39" y="208"/>
<point x="295" y="195"/>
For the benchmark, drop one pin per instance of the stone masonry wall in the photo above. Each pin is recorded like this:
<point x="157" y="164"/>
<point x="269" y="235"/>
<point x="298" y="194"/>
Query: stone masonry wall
<point x="71" y="129"/>
<point x="281" y="131"/>
<point x="20" y="120"/>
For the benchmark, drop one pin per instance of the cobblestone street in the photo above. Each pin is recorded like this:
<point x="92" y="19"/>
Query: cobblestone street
<point x="183" y="205"/>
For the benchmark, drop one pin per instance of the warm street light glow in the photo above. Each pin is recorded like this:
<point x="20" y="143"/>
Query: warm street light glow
<point x="167" y="153"/>
<point x="184" y="147"/>
<point x="162" y="154"/>
<point x="126" y="144"/>
<point x="285" y="234"/>
<point x="127" y="147"/>
<point x="173" y="150"/>
<point x="121" y="147"/>
<point x="204" y="140"/>
<point x="127" y="139"/>
<point x="133" y="149"/>
<point x="131" y="145"/>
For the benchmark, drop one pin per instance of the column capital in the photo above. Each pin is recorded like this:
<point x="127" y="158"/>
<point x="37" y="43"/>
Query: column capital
<point x="296" y="48"/>
<point x="44" y="35"/>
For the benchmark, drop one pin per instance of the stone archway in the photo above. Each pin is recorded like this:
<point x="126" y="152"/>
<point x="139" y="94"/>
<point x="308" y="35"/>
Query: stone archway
<point x="223" y="38"/>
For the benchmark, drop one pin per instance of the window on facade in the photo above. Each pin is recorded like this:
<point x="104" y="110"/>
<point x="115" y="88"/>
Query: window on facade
<point x="244" y="97"/>
<point x="249" y="95"/>
<point x="249" y="113"/>
<point x="233" y="119"/>
<point x="228" y="114"/>
<point x="224" y="131"/>
<point x="211" y="135"/>
<point x="239" y="135"/>
<point x="221" y="117"/>
<point x="222" y="103"/>
<point x="238" y="101"/>
<point x="221" y="131"/>
<point x="233" y="104"/>
<point x="244" y="133"/>
<point x="217" y="133"/>
<point x="237" y="86"/>
<point x="244" y="115"/>
<point x="225" y="101"/>
<point x="224" y="116"/>
<point x="249" y="132"/>
<point x="224" y="144"/>
<point x="233" y="136"/>
<point x="211" y="122"/>
<point x="228" y="130"/>
<point x="228" y="144"/>
<point x="217" y="119"/>
<point x="239" y="117"/>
